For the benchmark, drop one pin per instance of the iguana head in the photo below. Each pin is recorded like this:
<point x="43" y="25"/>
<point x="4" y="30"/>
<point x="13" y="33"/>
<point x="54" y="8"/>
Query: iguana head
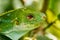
<point x="20" y="20"/>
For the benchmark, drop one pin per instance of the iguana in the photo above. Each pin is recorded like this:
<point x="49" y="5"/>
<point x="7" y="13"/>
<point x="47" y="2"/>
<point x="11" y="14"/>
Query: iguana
<point x="16" y="23"/>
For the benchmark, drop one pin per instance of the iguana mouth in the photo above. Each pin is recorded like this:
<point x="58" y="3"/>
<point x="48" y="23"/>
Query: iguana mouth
<point x="24" y="26"/>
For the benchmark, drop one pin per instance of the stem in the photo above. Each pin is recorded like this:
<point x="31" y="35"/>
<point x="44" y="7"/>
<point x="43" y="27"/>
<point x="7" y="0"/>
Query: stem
<point x="45" y="5"/>
<point x="49" y="25"/>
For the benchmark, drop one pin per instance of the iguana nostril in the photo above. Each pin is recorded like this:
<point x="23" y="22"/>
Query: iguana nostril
<point x="30" y="16"/>
<point x="17" y="22"/>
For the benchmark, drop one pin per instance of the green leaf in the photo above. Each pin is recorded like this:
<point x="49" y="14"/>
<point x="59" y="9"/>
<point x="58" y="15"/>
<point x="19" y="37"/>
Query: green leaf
<point x="5" y="5"/>
<point x="55" y="6"/>
<point x="17" y="4"/>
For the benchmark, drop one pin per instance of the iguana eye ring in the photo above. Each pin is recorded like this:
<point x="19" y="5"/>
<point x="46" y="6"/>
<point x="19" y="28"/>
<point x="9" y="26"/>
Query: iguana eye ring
<point x="30" y="16"/>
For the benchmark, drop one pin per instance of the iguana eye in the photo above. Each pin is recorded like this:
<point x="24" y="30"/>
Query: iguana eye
<point x="30" y="16"/>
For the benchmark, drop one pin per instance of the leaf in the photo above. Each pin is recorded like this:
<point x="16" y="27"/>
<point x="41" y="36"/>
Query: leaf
<point x="54" y="31"/>
<point x="54" y="6"/>
<point x="53" y="15"/>
<point x="5" y="5"/>
<point x="50" y="16"/>
<point x="17" y="4"/>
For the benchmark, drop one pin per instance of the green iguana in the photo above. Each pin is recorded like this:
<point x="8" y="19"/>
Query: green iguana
<point x="14" y="24"/>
